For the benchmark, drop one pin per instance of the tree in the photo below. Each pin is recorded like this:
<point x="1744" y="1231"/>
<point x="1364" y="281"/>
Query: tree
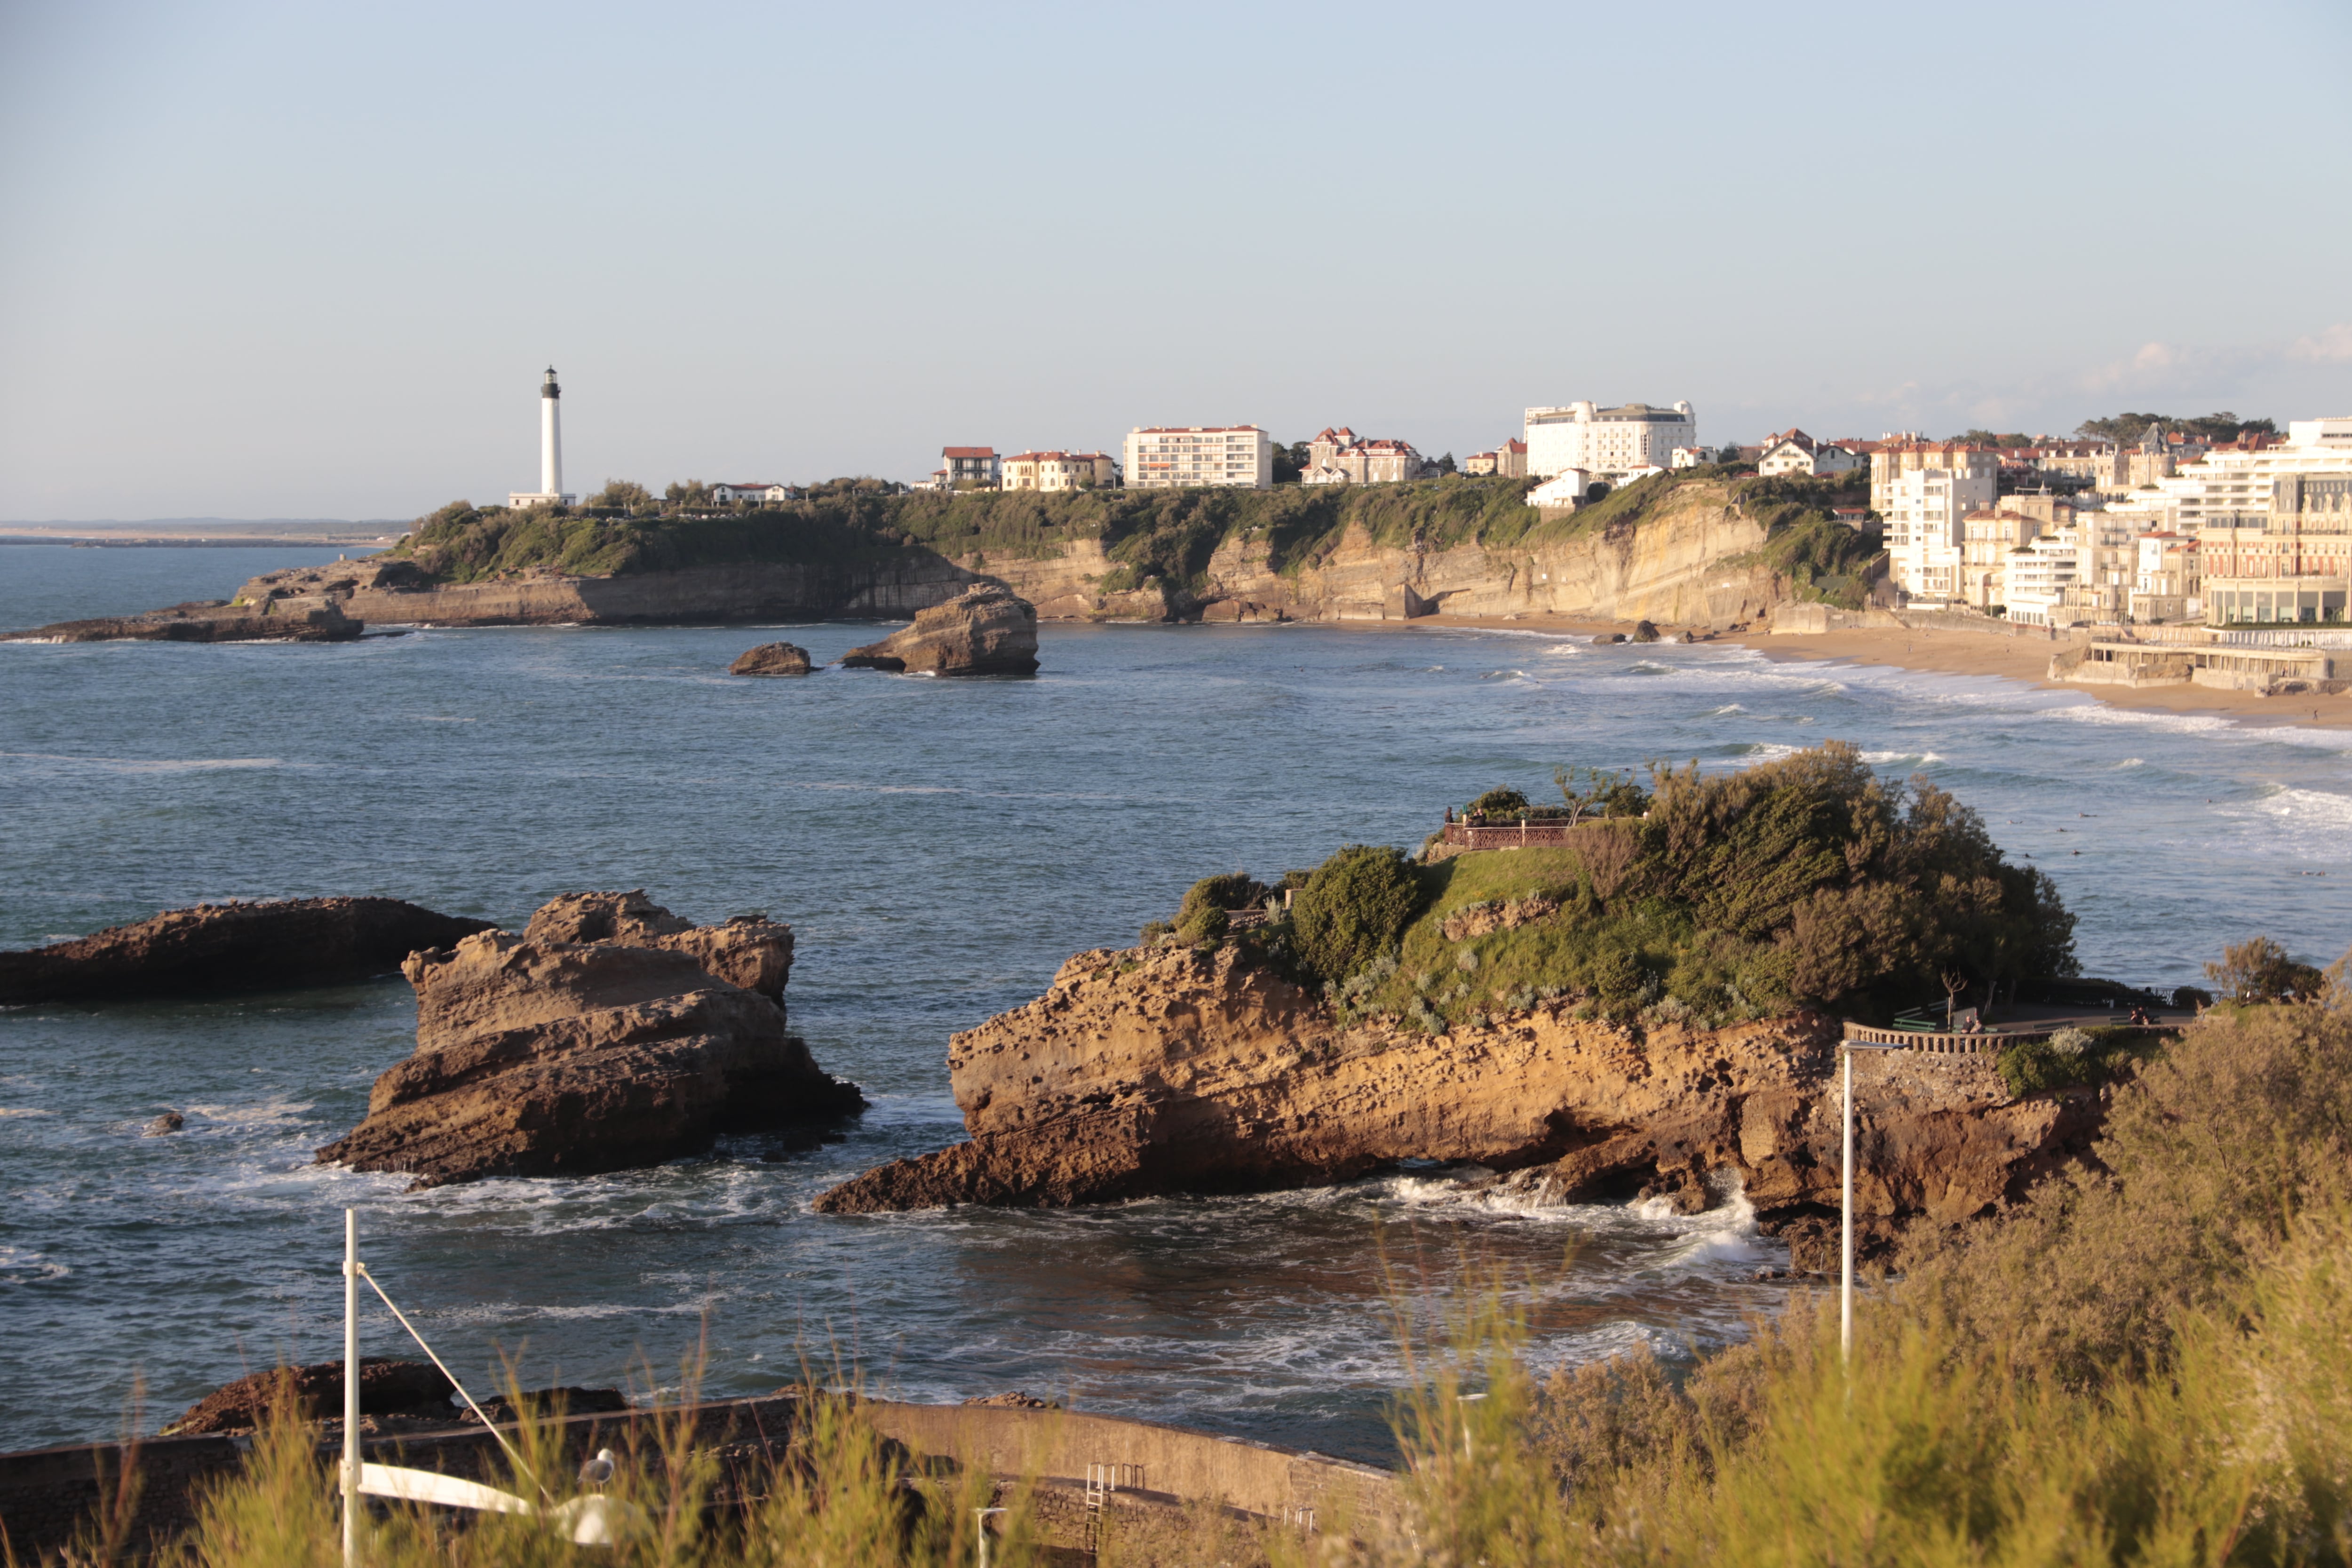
<point x="2127" y="428"/>
<point x="1445" y="464"/>
<point x="1290" y="461"/>
<point x="624" y="495"/>
<point x="2260" y="970"/>
<point x="1601" y="794"/>
<point x="693" y="492"/>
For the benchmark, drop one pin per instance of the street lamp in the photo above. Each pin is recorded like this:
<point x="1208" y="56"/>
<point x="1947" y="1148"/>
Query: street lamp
<point x="1845" y="1204"/>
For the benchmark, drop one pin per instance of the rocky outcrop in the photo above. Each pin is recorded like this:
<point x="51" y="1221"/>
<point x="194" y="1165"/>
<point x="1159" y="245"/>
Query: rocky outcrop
<point x="988" y="630"/>
<point x="207" y="620"/>
<point x="750" y="951"/>
<point x="217" y="948"/>
<point x="386" y="1388"/>
<point x="603" y="1039"/>
<point x="392" y="591"/>
<point x="772" y="658"/>
<point x="1158" y="1070"/>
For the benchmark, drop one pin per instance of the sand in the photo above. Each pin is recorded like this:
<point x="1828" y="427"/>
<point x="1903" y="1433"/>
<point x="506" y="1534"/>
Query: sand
<point x="2025" y="660"/>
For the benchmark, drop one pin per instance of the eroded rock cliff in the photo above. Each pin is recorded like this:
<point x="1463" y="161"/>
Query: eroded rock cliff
<point x="219" y="948"/>
<point x="986" y="630"/>
<point x="603" y="1039"/>
<point x="1158" y="1070"/>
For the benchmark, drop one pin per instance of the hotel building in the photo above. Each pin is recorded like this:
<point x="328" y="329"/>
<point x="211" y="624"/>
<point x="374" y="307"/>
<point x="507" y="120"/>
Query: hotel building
<point x="2291" y="563"/>
<point x="1607" y="443"/>
<point x="1059" y="471"/>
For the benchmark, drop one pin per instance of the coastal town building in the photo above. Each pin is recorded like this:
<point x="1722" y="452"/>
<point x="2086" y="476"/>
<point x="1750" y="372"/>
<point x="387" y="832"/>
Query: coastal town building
<point x="1694" y="457"/>
<point x="1509" y="461"/>
<point x="1976" y="470"/>
<point x="1339" y="457"/>
<point x="975" y="466"/>
<point x="2237" y="479"/>
<point x="1794" y="452"/>
<point x="550" y="491"/>
<point x="1058" y="471"/>
<point x="2106" y="562"/>
<point x="2039" y="580"/>
<point x="2167" y="585"/>
<point x="1169" y="457"/>
<point x="1562" y="493"/>
<point x="1924" y="511"/>
<point x="1607" y="443"/>
<point x="752" y="491"/>
<point x="1987" y="539"/>
<point x="2291" y="563"/>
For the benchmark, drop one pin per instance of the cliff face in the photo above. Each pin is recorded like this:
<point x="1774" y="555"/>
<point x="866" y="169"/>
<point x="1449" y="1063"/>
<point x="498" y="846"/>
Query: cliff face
<point x="1667" y="568"/>
<point x="1165" y="1070"/>
<point x="394" y="592"/>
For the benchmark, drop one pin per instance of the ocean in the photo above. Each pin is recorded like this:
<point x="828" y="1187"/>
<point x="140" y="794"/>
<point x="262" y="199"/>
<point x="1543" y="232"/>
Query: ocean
<point x="940" y="847"/>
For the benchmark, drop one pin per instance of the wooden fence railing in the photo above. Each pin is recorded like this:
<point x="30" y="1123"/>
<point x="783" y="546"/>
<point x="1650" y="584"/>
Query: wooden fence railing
<point x="1941" y="1043"/>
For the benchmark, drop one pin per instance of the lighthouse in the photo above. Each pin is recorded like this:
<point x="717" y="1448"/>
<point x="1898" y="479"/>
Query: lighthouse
<point x="551" y="450"/>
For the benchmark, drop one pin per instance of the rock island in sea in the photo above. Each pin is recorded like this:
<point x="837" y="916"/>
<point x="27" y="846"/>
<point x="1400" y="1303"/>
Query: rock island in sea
<point x="1647" y="1003"/>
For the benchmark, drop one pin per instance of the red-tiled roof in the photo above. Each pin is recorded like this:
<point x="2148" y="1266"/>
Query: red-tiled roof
<point x="1513" y="444"/>
<point x="1195" y="429"/>
<point x="967" y="451"/>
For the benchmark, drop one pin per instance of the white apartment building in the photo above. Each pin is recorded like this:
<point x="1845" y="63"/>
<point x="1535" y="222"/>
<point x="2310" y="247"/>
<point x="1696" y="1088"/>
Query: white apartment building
<point x="1169" y="457"/>
<point x="2204" y="492"/>
<point x="1607" y="443"/>
<point x="1926" y="512"/>
<point x="1058" y="471"/>
<point x="2167" y="584"/>
<point x="2040" y="578"/>
<point x="1980" y="469"/>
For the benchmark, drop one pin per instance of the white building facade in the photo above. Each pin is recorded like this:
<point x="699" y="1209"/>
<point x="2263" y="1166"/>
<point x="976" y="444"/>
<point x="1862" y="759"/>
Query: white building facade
<point x="751" y="489"/>
<point x="1926" y="512"/>
<point x="1794" y="452"/>
<point x="1171" y="457"/>
<point x="2203" y="493"/>
<point x="1607" y="443"/>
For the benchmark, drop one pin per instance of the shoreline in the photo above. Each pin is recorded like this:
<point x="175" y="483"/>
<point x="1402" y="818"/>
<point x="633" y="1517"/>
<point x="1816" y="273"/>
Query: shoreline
<point x="1942" y="652"/>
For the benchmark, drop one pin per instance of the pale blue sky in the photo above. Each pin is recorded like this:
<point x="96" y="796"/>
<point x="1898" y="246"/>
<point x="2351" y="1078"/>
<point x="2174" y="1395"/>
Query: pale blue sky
<point x="307" y="260"/>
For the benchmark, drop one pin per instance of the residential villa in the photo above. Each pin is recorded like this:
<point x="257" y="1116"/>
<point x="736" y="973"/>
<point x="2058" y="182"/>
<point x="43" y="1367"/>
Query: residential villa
<point x="752" y="491"/>
<point x="960" y="465"/>
<point x="1339" y="457"/>
<point x="1509" y="460"/>
<point x="1794" y="452"/>
<point x="1059" y="471"/>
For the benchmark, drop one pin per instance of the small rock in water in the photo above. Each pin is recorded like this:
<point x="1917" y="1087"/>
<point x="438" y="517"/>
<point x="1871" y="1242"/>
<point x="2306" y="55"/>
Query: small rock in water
<point x="170" y="1122"/>
<point x="772" y="658"/>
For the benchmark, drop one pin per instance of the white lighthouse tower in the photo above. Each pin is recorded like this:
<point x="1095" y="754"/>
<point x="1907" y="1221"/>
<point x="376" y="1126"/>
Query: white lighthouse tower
<point x="551" y="451"/>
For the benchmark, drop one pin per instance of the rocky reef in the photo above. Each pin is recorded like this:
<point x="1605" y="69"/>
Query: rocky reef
<point x="1170" y="1070"/>
<point x="772" y="658"/>
<point x="204" y="620"/>
<point x="612" y="1035"/>
<point x="218" y="948"/>
<point x="986" y="630"/>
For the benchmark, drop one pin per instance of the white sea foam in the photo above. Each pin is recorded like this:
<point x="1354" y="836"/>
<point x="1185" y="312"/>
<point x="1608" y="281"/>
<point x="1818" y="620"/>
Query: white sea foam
<point x="1879" y="759"/>
<point x="151" y="764"/>
<point x="18" y="1267"/>
<point x="24" y="1110"/>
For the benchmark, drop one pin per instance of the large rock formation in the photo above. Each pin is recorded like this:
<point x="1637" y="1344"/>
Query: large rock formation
<point x="603" y="1039"/>
<point x="772" y="658"/>
<point x="204" y="620"/>
<point x="1164" y="1069"/>
<point x="989" y="630"/>
<point x="386" y="1388"/>
<point x="215" y="948"/>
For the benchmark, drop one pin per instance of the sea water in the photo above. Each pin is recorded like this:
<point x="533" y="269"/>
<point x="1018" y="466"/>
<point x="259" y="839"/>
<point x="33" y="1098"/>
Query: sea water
<point x="940" y="847"/>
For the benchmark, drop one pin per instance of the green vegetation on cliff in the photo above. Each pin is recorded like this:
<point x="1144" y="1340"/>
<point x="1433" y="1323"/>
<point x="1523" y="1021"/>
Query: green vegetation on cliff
<point x="1163" y="536"/>
<point x="1713" y="898"/>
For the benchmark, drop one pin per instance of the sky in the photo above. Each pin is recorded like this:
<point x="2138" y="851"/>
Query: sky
<point x="277" y="259"/>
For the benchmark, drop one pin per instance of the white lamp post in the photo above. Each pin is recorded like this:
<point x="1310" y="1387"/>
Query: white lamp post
<point x="1845" y="1205"/>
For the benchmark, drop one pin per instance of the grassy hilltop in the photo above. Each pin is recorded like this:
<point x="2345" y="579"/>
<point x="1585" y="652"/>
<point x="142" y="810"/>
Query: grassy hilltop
<point x="1163" y="535"/>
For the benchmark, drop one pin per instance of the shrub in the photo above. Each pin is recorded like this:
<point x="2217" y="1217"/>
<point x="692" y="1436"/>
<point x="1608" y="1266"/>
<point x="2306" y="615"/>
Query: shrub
<point x="1354" y="909"/>
<point x="1204" y="916"/>
<point x="1499" y="802"/>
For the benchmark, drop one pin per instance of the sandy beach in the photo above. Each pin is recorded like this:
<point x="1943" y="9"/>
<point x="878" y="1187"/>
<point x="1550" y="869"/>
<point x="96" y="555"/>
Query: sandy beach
<point x="2024" y="659"/>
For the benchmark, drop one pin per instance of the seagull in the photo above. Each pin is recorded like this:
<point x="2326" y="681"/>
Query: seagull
<point x="595" y="1472"/>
